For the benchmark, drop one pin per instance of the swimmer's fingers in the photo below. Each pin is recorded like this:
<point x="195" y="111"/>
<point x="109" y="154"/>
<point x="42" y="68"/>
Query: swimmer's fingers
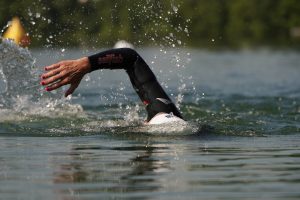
<point x="58" y="84"/>
<point x="51" y="80"/>
<point x="54" y="66"/>
<point x="71" y="89"/>
<point x="54" y="77"/>
<point x="51" y="73"/>
<point x="55" y="69"/>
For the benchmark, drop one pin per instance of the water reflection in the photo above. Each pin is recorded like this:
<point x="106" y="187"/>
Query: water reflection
<point x="148" y="167"/>
<point x="99" y="169"/>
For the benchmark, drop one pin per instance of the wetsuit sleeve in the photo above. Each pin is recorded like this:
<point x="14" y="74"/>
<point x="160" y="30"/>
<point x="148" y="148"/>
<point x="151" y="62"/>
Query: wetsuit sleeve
<point x="113" y="59"/>
<point x="142" y="78"/>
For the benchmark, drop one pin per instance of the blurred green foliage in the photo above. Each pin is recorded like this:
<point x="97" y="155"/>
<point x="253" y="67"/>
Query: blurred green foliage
<point x="197" y="23"/>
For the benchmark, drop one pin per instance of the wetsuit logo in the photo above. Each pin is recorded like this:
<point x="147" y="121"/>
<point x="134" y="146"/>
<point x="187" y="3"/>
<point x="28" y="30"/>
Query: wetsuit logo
<point x="110" y="58"/>
<point x="165" y="101"/>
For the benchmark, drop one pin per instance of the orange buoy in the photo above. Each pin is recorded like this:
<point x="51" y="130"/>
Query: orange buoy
<point x="17" y="33"/>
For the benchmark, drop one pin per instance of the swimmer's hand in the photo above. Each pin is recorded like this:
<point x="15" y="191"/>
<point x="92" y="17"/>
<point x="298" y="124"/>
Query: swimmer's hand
<point x="65" y="72"/>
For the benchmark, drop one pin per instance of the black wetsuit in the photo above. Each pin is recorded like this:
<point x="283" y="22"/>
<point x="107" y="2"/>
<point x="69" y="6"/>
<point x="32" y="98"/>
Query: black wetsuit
<point x="141" y="77"/>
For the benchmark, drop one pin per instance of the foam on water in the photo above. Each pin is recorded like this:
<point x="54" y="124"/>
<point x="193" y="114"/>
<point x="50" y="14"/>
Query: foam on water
<point x="138" y="127"/>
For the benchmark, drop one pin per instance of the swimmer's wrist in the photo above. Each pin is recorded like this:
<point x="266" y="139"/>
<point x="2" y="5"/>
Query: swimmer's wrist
<point x="85" y="64"/>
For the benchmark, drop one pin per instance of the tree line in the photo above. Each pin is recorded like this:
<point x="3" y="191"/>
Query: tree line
<point x="195" y="23"/>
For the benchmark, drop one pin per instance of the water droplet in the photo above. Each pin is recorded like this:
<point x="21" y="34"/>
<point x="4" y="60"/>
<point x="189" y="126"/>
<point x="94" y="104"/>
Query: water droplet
<point x="175" y="9"/>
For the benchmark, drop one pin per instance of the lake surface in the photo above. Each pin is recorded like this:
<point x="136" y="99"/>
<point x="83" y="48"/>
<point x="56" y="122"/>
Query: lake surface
<point x="241" y="141"/>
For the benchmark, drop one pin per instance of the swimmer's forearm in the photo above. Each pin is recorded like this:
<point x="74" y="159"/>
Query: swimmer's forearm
<point x="113" y="59"/>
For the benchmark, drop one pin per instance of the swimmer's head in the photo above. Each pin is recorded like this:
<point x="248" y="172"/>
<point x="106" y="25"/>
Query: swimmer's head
<point x="163" y="118"/>
<point x="123" y="44"/>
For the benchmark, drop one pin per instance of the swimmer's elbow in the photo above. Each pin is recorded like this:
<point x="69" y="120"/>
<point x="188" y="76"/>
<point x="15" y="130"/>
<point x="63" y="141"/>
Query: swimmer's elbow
<point x="130" y="56"/>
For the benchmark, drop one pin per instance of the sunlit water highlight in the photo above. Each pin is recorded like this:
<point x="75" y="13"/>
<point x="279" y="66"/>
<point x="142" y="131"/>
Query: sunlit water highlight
<point x="241" y="140"/>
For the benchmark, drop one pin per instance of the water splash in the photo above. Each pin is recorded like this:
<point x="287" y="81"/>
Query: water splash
<point x="169" y="34"/>
<point x="17" y="71"/>
<point x="20" y="92"/>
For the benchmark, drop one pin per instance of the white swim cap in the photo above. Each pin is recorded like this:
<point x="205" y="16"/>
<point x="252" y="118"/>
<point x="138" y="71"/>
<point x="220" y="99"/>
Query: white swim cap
<point x="123" y="44"/>
<point x="162" y="118"/>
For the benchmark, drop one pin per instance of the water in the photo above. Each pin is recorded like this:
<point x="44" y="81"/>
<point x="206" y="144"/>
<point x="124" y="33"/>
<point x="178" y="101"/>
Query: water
<point x="241" y="140"/>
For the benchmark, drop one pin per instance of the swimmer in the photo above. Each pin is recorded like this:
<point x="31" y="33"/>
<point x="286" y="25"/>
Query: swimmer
<point x="159" y="106"/>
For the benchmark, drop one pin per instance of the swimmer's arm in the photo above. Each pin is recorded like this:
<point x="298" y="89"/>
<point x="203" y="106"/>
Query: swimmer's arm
<point x="65" y="72"/>
<point x="72" y="71"/>
<point x="113" y="59"/>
